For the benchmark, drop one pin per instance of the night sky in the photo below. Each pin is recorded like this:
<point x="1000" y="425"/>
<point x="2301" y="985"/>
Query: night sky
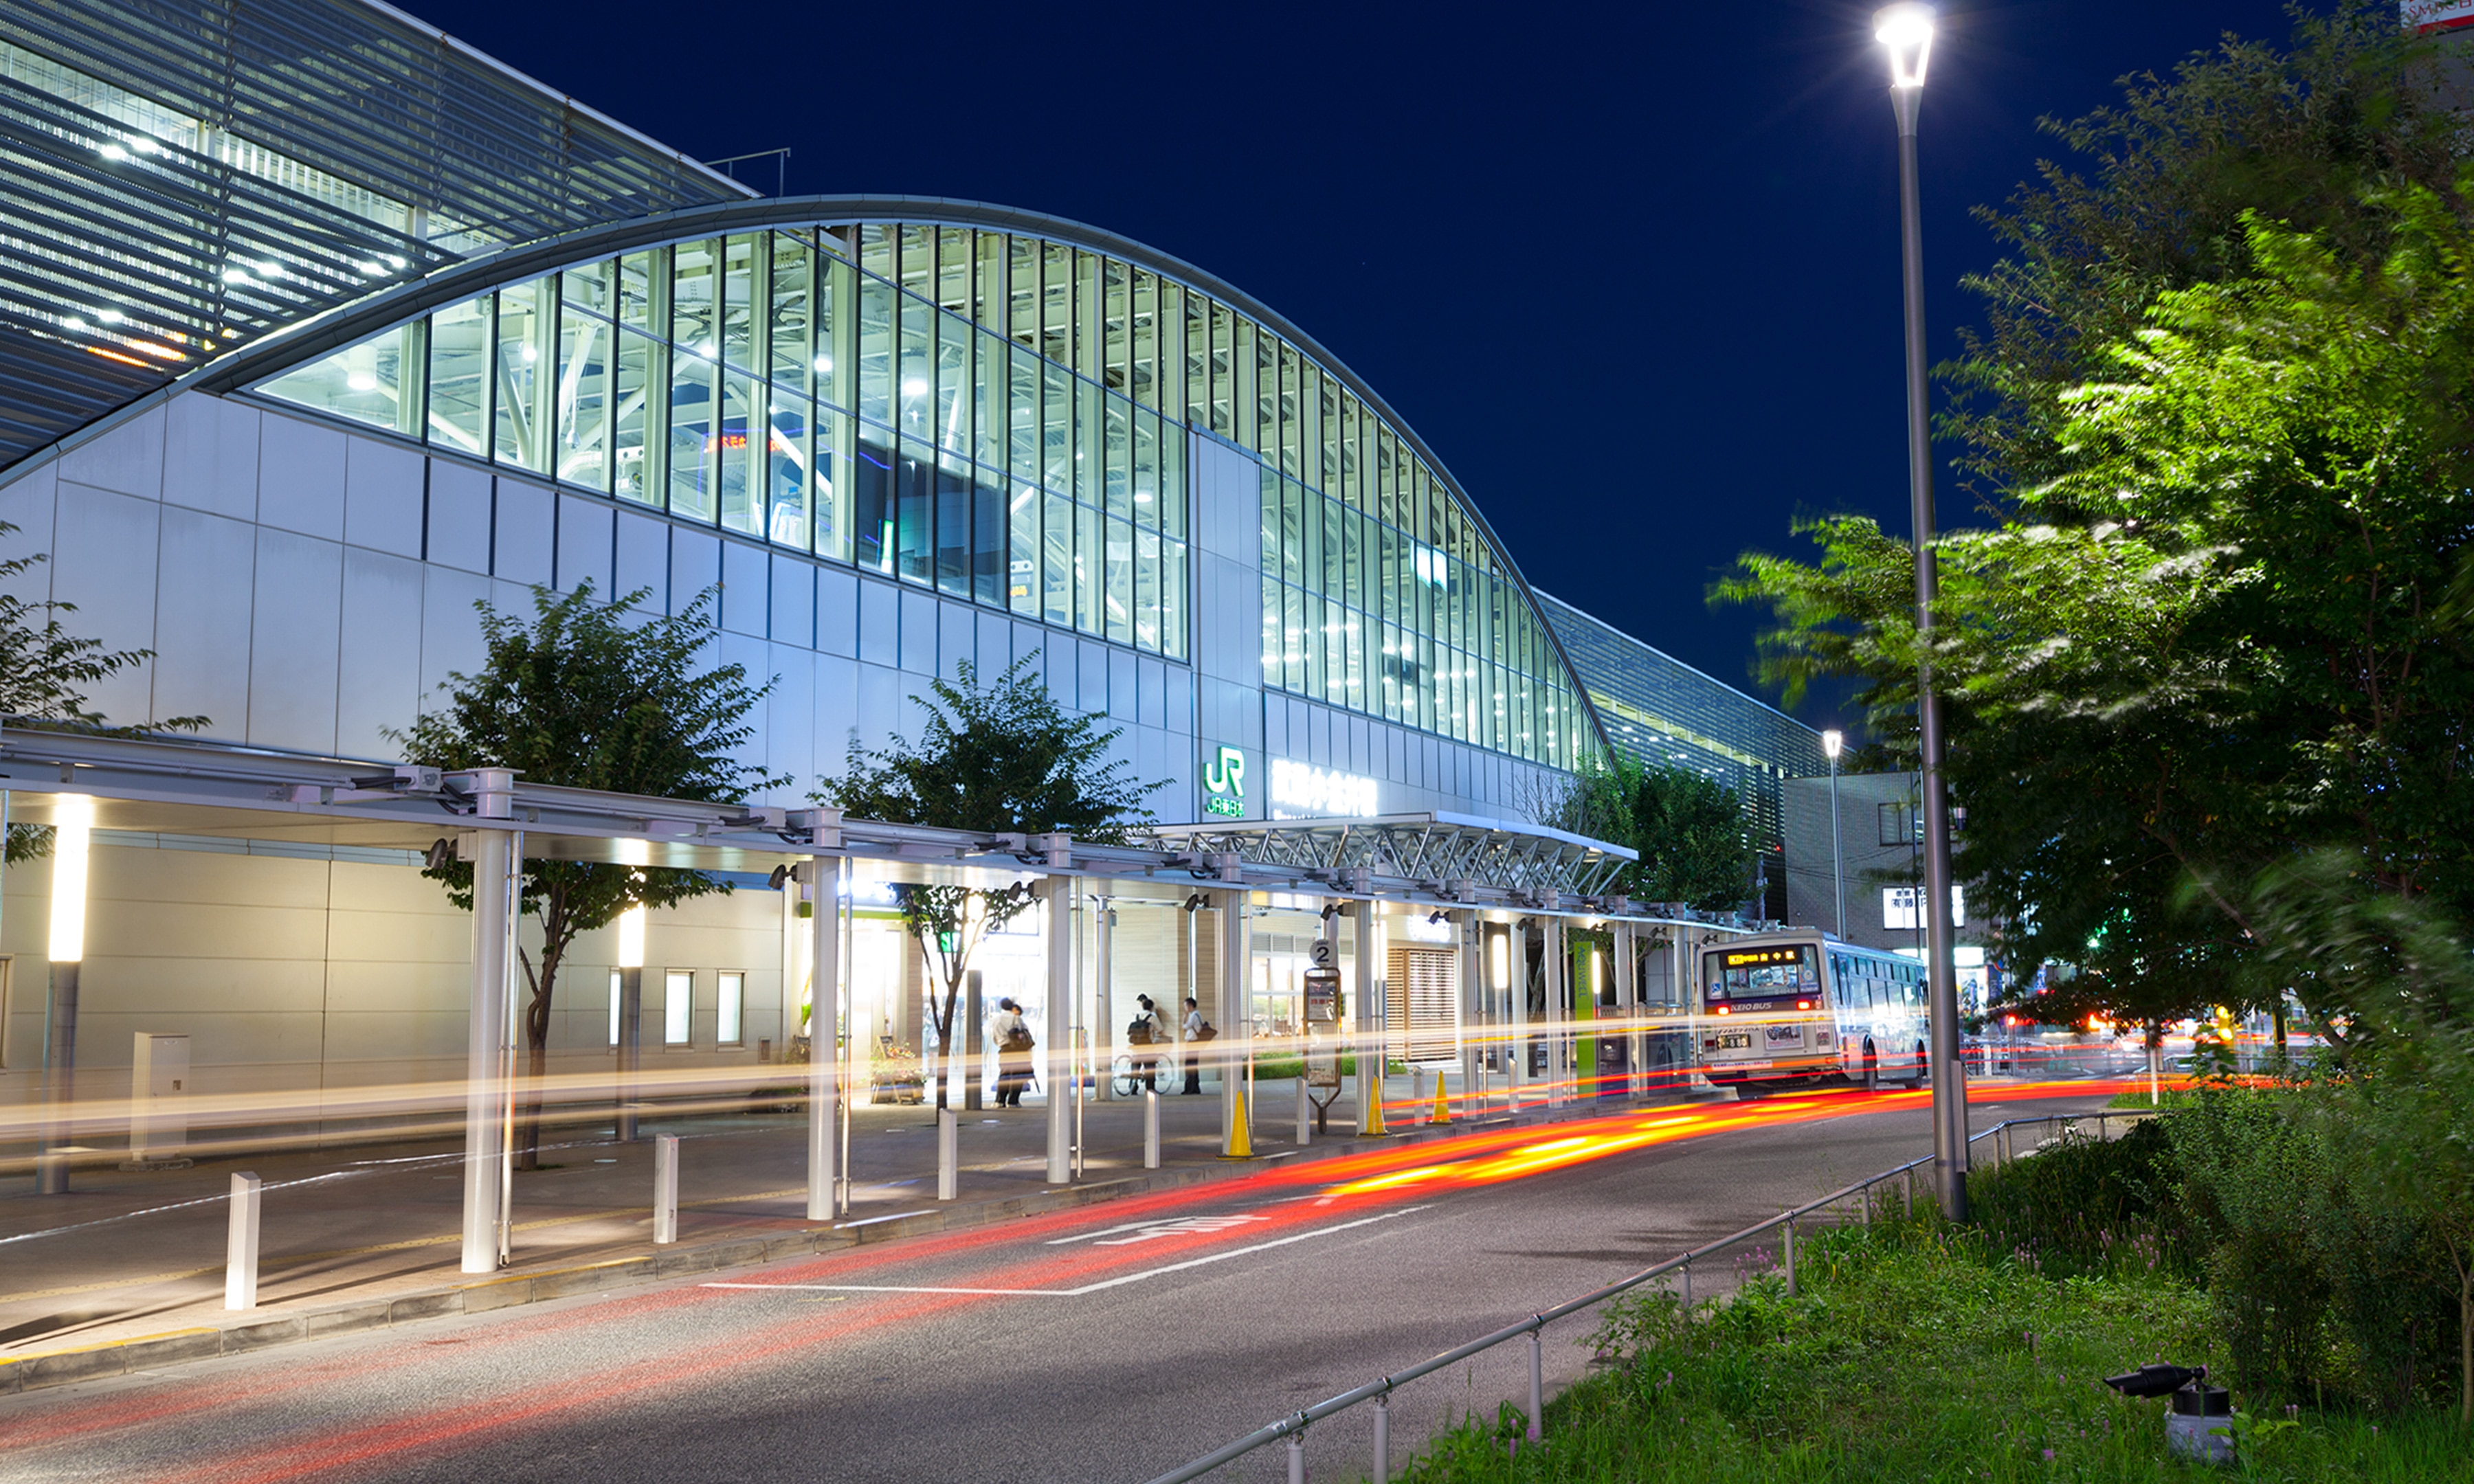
<point x="1631" y="271"/>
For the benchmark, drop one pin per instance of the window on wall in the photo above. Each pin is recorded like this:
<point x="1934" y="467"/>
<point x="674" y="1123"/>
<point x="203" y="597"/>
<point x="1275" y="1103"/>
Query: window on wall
<point x="732" y="994"/>
<point x="678" y="1007"/>
<point x="618" y="998"/>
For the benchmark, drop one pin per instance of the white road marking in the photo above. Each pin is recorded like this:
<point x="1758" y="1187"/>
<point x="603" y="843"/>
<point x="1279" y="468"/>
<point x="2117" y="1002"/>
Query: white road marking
<point x="1087" y="1288"/>
<point x="873" y="1220"/>
<point x="1180" y="1226"/>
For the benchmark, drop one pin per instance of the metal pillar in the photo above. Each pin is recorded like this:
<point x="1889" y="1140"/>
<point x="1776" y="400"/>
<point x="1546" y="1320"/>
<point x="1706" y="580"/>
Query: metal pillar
<point x="1515" y="1040"/>
<point x="1627" y="998"/>
<point x="1559" y="1014"/>
<point x="971" y="1033"/>
<point x="1104" y="996"/>
<point x="1949" y="1080"/>
<point x="1368" y="999"/>
<point x="826" y="1197"/>
<point x="493" y="856"/>
<point x="60" y="1081"/>
<point x="1236" y="1043"/>
<point x="631" y="1047"/>
<point x="1472" y="1010"/>
<point x="1059" y="1060"/>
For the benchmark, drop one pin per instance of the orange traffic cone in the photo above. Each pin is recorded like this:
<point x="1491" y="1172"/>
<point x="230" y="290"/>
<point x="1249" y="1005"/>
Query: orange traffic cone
<point x="1443" y="1104"/>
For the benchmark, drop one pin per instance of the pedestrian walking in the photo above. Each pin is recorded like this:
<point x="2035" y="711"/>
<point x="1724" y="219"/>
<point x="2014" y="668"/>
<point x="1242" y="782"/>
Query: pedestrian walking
<point x="1195" y="1026"/>
<point x="1012" y="1036"/>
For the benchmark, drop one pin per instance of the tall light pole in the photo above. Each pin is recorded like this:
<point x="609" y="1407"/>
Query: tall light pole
<point x="1833" y="742"/>
<point x="1906" y="31"/>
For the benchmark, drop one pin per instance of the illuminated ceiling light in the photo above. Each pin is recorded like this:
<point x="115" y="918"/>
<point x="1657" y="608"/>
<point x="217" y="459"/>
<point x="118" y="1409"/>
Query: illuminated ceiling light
<point x="371" y="269"/>
<point x="1907" y="30"/>
<point x="145" y="146"/>
<point x="73" y="322"/>
<point x="110" y="316"/>
<point x="914" y="386"/>
<point x="1833" y="742"/>
<point x="236" y="276"/>
<point x="113" y="153"/>
<point x="824" y="365"/>
<point x="270" y="269"/>
<point x="531" y="354"/>
<point x="362" y="381"/>
<point x="398" y="263"/>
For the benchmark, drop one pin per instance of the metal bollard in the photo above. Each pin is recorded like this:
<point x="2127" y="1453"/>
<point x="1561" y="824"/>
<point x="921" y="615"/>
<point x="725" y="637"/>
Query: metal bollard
<point x="949" y="1154"/>
<point x="1536" y="1383"/>
<point x="1790" y="1258"/>
<point x="1151" y="1130"/>
<point x="666" y="1188"/>
<point x="1296" y="1458"/>
<point x="240" y="1249"/>
<point x="1305" y="1114"/>
<point x="1383" y="1439"/>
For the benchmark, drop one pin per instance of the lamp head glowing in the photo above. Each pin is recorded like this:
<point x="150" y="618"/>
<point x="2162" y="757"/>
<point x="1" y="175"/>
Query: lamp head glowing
<point x="1832" y="743"/>
<point x="72" y="826"/>
<point x="631" y="937"/>
<point x="1907" y="30"/>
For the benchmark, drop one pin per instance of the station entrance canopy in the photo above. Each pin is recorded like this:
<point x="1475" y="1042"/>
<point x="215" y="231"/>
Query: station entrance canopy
<point x="221" y="792"/>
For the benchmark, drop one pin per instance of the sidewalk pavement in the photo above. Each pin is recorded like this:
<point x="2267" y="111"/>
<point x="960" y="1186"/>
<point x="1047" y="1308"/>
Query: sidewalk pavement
<point x="127" y="1270"/>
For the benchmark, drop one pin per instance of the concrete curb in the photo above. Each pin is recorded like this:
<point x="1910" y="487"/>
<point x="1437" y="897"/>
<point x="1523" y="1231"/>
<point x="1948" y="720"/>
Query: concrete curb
<point x="144" y="1353"/>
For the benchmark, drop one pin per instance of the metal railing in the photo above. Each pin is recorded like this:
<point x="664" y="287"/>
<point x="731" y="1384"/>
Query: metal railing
<point x="1292" y="1428"/>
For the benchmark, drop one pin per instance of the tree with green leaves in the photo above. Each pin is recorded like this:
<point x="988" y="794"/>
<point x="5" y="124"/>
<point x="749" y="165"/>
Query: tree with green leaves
<point x="602" y="696"/>
<point x="1688" y="829"/>
<point x="2218" y="420"/>
<point x="998" y="758"/>
<point x="45" y="672"/>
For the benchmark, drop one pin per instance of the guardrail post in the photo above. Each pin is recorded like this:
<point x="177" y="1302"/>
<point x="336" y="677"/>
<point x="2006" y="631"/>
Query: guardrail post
<point x="1383" y="1439"/>
<point x="1151" y="1130"/>
<point x="948" y="1175"/>
<point x="1538" y="1382"/>
<point x="1305" y="1113"/>
<point x="1790" y="1256"/>
<point x="666" y="1188"/>
<point x="1687" y="1286"/>
<point x="240" y="1252"/>
<point x="1296" y="1458"/>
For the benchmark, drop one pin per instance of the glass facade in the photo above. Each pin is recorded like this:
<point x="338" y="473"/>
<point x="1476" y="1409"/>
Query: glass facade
<point x="1001" y="417"/>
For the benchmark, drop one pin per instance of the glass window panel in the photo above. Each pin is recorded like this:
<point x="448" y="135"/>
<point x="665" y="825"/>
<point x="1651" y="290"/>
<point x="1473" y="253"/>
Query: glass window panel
<point x="1172" y="604"/>
<point x="643" y="290"/>
<point x="954" y="257"/>
<point x="1268" y="506"/>
<point x="1293" y="536"/>
<point x="1143" y="374"/>
<point x="1326" y="417"/>
<point x="1057" y="427"/>
<point x="1335" y="545"/>
<point x="988" y="564"/>
<point x="830" y="490"/>
<point x="876" y="350"/>
<point x="1056" y="303"/>
<point x="1332" y="653"/>
<point x="1146" y="471"/>
<point x="1286" y="406"/>
<point x="1022" y="416"/>
<point x="1266" y="432"/>
<point x="1309" y="518"/>
<point x="914" y="556"/>
<point x="1147" y="589"/>
<point x="1385" y="501"/>
<point x="954" y="528"/>
<point x="1352" y="557"/>
<point x="729" y="1028"/>
<point x="376" y="381"/>
<point x="790" y="355"/>
<point x="584" y="381"/>
<point x="1022" y="567"/>
<point x="586" y="286"/>
<point x="876" y="248"/>
<point x="1056" y="562"/>
<point x="1222" y="372"/>
<point x="1022" y="291"/>
<point x="735" y="443"/>
<point x="695" y="267"/>
<point x="1089" y="590"/>
<point x="918" y="260"/>
<point x="1086" y="315"/>
<point x="459" y="373"/>
<point x="1353" y="658"/>
<point x="953" y="408"/>
<point x="1197" y="361"/>
<point x="1117" y="441"/>
<point x="1351" y="491"/>
<point x="1241" y="385"/>
<point x="836" y="334"/>
<point x="913" y="394"/>
<point x="1173" y="481"/>
<point x="615" y="1002"/>
<point x="989" y="296"/>
<point x="789" y="463"/>
<point x="1090" y="456"/>
<point x="1293" y="652"/>
<point x="678" y="1006"/>
<point x="741" y="270"/>
<point x="873" y="501"/>
<point x="989" y="413"/>
<point x="1274" y="642"/>
<point x="1116" y="327"/>
<point x="695" y="436"/>
<point x="637" y="436"/>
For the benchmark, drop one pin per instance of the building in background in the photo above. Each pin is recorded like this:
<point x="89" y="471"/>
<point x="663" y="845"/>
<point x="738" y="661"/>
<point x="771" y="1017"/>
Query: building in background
<point x="1877" y="856"/>
<point x="1657" y="709"/>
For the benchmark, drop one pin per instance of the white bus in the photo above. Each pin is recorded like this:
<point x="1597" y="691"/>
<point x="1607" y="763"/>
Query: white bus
<point x="1801" y="1005"/>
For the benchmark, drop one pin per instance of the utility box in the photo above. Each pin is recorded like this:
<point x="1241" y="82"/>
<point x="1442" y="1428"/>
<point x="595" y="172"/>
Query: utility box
<point x="159" y="1099"/>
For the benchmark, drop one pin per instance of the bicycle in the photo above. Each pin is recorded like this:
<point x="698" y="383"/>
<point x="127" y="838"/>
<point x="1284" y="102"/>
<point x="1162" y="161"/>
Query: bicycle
<point x="1128" y="1078"/>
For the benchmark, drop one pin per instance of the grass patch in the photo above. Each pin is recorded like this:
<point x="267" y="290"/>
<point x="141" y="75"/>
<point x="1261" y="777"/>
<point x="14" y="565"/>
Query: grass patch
<point x="1914" y="1353"/>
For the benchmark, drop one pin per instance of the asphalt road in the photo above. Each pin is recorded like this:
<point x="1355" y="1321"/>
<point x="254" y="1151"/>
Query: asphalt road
<point x="1107" y="1344"/>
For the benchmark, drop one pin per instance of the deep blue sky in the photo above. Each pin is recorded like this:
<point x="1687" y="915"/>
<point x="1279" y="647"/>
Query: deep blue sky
<point x="1632" y="271"/>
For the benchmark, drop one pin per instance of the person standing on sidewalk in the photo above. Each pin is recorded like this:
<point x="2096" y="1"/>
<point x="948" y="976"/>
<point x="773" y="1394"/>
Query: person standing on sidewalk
<point x="1193" y="1028"/>
<point x="1146" y="1032"/>
<point x="1012" y="1038"/>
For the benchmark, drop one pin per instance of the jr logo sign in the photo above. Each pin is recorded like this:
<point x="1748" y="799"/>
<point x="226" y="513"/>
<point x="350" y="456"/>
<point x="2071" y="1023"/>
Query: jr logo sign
<point x="1224" y="784"/>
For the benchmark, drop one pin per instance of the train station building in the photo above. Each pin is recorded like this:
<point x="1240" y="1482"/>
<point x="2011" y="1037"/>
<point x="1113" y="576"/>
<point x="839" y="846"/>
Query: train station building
<point x="321" y="329"/>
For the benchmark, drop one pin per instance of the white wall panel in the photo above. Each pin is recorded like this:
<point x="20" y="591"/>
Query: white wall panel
<point x="836" y="710"/>
<point x="1124" y="704"/>
<point x="995" y="646"/>
<point x="382" y="496"/>
<point x="526" y="520"/>
<point x="451" y="628"/>
<point x="880" y="623"/>
<point x="695" y="564"/>
<point x="919" y="641"/>
<point x="755" y="659"/>
<point x="128" y="460"/>
<point x="201" y="629"/>
<point x="1064" y="665"/>
<point x="958" y="639"/>
<point x="879" y="705"/>
<point x="210" y="455"/>
<point x="793" y="619"/>
<point x="301" y="477"/>
<point x="459" y="517"/>
<point x="377" y="681"/>
<point x="787" y="719"/>
<point x="746" y="596"/>
<point x="103" y="560"/>
<point x="1030" y="640"/>
<point x="295" y="631"/>
<point x="837" y="595"/>
<point x="643" y="561"/>
<point x="583" y="546"/>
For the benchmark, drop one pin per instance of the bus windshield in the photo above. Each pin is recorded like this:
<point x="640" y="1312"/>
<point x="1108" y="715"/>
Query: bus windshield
<point x="1764" y="973"/>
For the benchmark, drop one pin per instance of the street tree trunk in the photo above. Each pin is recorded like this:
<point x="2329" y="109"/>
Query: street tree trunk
<point x="558" y="932"/>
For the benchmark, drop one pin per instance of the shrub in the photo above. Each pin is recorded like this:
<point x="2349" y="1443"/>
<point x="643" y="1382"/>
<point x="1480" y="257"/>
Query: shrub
<point x="2087" y="1205"/>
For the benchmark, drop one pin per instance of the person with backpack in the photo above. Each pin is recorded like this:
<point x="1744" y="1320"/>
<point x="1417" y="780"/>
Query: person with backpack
<point x="1196" y="1028"/>
<point x="1012" y="1036"/>
<point x="1142" y="1033"/>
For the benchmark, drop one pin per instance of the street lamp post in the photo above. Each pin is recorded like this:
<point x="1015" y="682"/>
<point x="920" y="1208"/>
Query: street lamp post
<point x="1833" y="742"/>
<point x="1906" y="31"/>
